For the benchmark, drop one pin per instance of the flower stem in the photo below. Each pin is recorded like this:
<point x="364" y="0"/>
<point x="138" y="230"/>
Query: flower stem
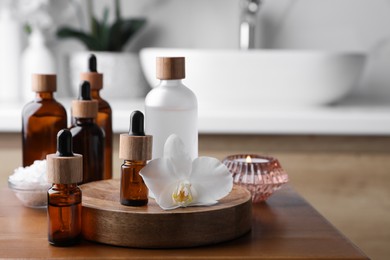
<point x="117" y="10"/>
<point x="90" y="13"/>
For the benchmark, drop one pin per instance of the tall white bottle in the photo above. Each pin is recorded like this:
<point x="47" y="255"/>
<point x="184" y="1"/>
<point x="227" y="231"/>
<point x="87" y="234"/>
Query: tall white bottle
<point x="172" y="108"/>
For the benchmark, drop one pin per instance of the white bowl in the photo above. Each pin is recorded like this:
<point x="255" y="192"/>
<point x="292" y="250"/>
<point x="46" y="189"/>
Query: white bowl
<point x="32" y="196"/>
<point x="222" y="78"/>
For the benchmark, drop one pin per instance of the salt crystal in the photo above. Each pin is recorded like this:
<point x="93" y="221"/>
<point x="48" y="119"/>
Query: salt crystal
<point x="31" y="176"/>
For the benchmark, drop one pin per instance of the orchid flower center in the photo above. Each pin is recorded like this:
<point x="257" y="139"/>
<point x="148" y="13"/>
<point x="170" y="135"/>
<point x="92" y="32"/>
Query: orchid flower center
<point x="182" y="194"/>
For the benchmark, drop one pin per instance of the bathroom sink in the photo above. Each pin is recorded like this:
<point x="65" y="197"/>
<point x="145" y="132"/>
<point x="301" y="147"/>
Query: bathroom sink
<point x="256" y="78"/>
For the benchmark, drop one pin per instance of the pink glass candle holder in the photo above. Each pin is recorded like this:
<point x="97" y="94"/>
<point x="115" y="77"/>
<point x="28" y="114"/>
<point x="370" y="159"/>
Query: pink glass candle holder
<point x="261" y="175"/>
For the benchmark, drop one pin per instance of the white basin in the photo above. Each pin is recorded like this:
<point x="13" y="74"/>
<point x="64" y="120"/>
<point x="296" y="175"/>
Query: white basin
<point x="232" y="78"/>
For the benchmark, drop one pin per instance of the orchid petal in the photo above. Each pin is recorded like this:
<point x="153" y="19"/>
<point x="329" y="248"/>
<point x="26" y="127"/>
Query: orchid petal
<point x="211" y="179"/>
<point x="175" y="151"/>
<point x="176" y="181"/>
<point x="158" y="174"/>
<point x="164" y="200"/>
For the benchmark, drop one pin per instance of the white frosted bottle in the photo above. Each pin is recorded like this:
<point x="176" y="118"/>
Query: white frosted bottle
<point x="172" y="108"/>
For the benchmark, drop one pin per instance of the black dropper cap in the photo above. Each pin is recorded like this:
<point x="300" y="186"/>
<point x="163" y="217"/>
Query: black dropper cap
<point x="135" y="145"/>
<point x="92" y="63"/>
<point x="92" y="76"/>
<point x="85" y="91"/>
<point x="64" y="167"/>
<point x="84" y="106"/>
<point x="64" y="143"/>
<point x="137" y="124"/>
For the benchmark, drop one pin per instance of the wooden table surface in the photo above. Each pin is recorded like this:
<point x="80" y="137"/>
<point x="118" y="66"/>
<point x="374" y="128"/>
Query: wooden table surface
<point x="286" y="227"/>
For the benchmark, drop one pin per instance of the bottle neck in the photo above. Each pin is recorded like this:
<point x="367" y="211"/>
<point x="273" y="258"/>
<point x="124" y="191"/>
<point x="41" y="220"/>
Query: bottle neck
<point x="171" y="82"/>
<point x="95" y="93"/>
<point x="57" y="186"/>
<point x="82" y="121"/>
<point x="131" y="162"/>
<point x="44" y="95"/>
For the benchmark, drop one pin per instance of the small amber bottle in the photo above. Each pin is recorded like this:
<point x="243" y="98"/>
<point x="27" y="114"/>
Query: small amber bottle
<point x="64" y="171"/>
<point x="135" y="148"/>
<point x="42" y="118"/>
<point x="88" y="137"/>
<point x="104" y="117"/>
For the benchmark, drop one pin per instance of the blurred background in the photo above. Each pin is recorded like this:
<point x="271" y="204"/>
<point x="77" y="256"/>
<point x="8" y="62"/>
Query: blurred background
<point x="336" y="151"/>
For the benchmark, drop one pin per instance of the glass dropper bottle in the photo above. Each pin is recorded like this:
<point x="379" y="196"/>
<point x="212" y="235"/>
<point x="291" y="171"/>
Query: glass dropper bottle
<point x="104" y="116"/>
<point x="88" y="137"/>
<point x="135" y="148"/>
<point x="64" y="171"/>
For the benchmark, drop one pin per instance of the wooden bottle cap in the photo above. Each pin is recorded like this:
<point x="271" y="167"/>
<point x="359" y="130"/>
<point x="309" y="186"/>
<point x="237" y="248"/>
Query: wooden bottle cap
<point x="135" y="148"/>
<point x="95" y="79"/>
<point x="170" y="67"/>
<point x="44" y="82"/>
<point x="64" y="170"/>
<point x="84" y="108"/>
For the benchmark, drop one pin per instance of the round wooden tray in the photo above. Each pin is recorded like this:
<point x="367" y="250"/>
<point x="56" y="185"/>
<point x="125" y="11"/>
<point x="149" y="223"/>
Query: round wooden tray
<point x="105" y="220"/>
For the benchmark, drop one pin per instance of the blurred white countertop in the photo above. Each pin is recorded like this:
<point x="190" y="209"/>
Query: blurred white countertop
<point x="353" y="116"/>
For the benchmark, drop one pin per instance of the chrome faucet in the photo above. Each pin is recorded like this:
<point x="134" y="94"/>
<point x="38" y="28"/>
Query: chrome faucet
<point x="248" y="23"/>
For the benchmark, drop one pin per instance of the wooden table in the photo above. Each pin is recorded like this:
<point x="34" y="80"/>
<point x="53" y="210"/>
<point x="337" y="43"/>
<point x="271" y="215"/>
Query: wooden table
<point x="286" y="227"/>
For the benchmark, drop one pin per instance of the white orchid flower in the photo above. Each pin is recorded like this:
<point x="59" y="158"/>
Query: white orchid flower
<point x="177" y="181"/>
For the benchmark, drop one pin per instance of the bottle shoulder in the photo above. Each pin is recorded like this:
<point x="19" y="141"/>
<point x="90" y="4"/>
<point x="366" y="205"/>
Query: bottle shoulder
<point x="44" y="106"/>
<point x="164" y="96"/>
<point x="45" y="102"/>
<point x="31" y="106"/>
<point x="58" y="105"/>
<point x="64" y="195"/>
<point x="89" y="129"/>
<point x="104" y="105"/>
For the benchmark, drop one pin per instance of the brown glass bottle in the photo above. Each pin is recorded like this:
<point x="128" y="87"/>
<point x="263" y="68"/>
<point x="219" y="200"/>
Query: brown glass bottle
<point x="64" y="170"/>
<point x="88" y="140"/>
<point x="64" y="214"/>
<point x="104" y="117"/>
<point x="135" y="148"/>
<point x="88" y="137"/>
<point x="42" y="118"/>
<point x="133" y="189"/>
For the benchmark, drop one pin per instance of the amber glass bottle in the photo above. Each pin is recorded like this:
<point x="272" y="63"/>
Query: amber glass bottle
<point x="64" y="171"/>
<point x="135" y="148"/>
<point x="104" y="117"/>
<point x="42" y="118"/>
<point x="88" y="138"/>
<point x="133" y="189"/>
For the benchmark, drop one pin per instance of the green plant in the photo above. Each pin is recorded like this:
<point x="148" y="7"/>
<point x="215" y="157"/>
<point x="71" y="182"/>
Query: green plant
<point x="105" y="37"/>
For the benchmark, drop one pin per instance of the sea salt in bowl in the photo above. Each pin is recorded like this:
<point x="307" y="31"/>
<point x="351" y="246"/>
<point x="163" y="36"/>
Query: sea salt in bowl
<point x="34" y="197"/>
<point x="30" y="184"/>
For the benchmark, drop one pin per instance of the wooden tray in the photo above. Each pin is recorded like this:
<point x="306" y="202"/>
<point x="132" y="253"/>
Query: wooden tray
<point x="105" y="220"/>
